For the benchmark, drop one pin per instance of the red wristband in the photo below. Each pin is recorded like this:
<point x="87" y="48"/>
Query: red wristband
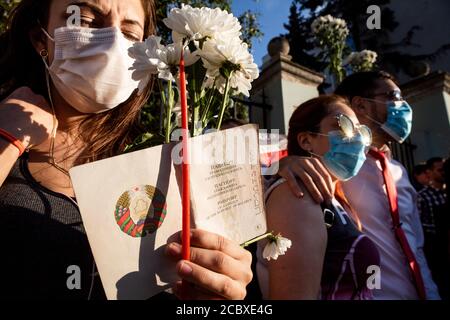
<point x="13" y="140"/>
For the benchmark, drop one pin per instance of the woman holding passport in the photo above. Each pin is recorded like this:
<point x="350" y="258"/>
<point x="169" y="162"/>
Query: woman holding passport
<point x="63" y="104"/>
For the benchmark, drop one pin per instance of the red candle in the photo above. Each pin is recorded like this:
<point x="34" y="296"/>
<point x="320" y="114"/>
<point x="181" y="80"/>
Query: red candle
<point x="186" y="202"/>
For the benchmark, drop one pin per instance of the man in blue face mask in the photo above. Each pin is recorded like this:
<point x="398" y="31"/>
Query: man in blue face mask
<point x="382" y="107"/>
<point x="381" y="193"/>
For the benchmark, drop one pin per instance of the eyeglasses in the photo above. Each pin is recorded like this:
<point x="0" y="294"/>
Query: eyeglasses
<point x="349" y="129"/>
<point x="394" y="95"/>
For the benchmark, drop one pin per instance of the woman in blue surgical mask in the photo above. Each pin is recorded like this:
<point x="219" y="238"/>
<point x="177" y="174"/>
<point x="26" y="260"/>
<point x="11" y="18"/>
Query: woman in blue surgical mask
<point x="67" y="97"/>
<point x="330" y="255"/>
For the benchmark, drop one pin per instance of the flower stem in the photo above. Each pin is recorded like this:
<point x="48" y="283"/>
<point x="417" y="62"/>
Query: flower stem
<point x="224" y="102"/>
<point x="264" y="236"/>
<point x="169" y="112"/>
<point x="195" y="111"/>
<point x="208" y="107"/>
<point x="209" y="102"/>
<point x="196" y="115"/>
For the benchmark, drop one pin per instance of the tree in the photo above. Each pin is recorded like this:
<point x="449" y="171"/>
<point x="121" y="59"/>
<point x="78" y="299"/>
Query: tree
<point x="250" y="27"/>
<point x="304" y="12"/>
<point x="300" y="37"/>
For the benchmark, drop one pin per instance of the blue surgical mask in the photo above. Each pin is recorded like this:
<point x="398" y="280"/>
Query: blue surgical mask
<point x="399" y="120"/>
<point x="346" y="155"/>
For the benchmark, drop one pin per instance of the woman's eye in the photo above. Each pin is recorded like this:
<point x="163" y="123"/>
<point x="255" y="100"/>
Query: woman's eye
<point x="131" y="36"/>
<point x="86" y="21"/>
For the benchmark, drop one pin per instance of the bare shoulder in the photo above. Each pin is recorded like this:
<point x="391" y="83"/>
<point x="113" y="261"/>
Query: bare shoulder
<point x="285" y="210"/>
<point x="282" y="196"/>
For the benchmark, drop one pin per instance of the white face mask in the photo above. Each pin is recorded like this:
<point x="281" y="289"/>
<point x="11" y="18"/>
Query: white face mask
<point x="90" y="68"/>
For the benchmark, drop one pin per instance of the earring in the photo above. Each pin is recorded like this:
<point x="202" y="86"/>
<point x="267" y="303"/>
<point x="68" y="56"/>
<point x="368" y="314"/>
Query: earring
<point x="44" y="53"/>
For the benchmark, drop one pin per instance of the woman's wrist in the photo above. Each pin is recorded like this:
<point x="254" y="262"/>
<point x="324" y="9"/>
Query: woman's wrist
<point x="8" y="149"/>
<point x="12" y="141"/>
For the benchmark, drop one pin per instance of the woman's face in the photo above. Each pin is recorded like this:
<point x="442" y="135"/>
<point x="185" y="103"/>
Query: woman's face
<point x="129" y="16"/>
<point x="319" y="143"/>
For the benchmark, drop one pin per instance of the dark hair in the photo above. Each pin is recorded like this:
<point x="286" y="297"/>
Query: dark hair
<point x="106" y="134"/>
<point x="419" y="169"/>
<point x="362" y="84"/>
<point x="431" y="162"/>
<point x="307" y="118"/>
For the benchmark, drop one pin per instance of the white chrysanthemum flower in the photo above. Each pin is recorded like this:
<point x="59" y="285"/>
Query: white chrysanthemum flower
<point x="270" y="251"/>
<point x="201" y="23"/>
<point x="146" y="60"/>
<point x="328" y="18"/>
<point x="369" y="56"/>
<point x="169" y="57"/>
<point x="328" y="25"/>
<point x="151" y="57"/>
<point x="317" y="26"/>
<point x="219" y="56"/>
<point x="340" y="22"/>
<point x="365" y="57"/>
<point x="277" y="246"/>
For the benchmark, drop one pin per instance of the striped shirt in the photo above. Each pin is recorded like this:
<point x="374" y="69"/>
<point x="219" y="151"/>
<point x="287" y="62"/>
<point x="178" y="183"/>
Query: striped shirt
<point x="430" y="202"/>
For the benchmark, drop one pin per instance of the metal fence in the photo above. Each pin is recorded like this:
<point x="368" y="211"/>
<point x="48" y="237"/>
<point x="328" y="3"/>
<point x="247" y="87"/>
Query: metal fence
<point x="404" y="153"/>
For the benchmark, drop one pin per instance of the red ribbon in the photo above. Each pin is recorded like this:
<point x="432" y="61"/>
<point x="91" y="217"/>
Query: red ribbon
<point x="391" y="190"/>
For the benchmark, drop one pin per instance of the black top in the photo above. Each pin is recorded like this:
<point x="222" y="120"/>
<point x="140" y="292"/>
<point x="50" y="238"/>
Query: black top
<point x="42" y="237"/>
<point x="348" y="258"/>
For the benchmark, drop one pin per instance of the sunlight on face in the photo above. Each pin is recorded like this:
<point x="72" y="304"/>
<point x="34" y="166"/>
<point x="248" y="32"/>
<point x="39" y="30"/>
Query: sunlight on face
<point x="128" y="15"/>
<point x="320" y="144"/>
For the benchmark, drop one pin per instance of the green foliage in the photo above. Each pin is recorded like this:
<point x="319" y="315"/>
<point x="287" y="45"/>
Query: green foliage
<point x="250" y="27"/>
<point x="300" y="36"/>
<point x="5" y="9"/>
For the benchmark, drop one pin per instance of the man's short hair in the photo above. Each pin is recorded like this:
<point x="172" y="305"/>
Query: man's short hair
<point x="432" y="161"/>
<point x="362" y="84"/>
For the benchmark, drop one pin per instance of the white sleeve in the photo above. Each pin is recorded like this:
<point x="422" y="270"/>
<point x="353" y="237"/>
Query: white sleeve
<point x="414" y="232"/>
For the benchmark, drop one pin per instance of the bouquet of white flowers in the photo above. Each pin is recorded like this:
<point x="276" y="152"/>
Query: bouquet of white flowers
<point x="331" y="34"/>
<point x="219" y="65"/>
<point x="361" y="61"/>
